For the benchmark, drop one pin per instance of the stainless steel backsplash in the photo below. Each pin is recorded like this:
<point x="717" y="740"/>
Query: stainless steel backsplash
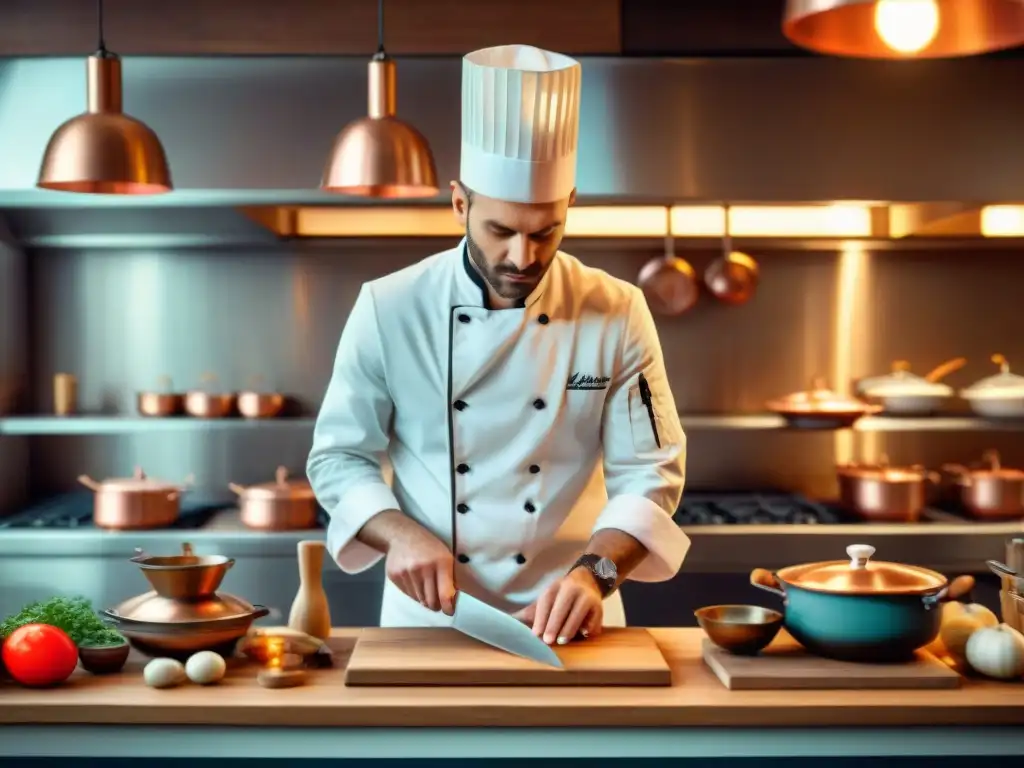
<point x="13" y="365"/>
<point x="119" y="320"/>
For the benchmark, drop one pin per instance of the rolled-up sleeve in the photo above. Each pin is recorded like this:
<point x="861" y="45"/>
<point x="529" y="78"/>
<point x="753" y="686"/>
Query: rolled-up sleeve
<point x="644" y="463"/>
<point x="351" y="437"/>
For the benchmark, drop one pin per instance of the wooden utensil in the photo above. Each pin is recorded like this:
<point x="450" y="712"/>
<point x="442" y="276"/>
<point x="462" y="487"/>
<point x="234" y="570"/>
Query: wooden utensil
<point x="445" y="656"/>
<point x="310" y="611"/>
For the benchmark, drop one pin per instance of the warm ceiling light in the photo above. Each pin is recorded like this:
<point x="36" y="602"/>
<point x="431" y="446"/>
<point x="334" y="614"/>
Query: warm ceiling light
<point x="615" y="221"/>
<point x="773" y="221"/>
<point x="380" y="155"/>
<point x="896" y="29"/>
<point x="104" y="151"/>
<point x="1002" y="221"/>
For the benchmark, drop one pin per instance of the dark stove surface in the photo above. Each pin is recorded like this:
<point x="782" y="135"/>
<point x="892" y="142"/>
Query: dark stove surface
<point x="74" y="510"/>
<point x="753" y="508"/>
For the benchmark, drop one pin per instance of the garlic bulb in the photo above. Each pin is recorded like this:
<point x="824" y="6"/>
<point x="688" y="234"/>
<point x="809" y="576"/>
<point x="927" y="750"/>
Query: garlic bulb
<point x="996" y="652"/>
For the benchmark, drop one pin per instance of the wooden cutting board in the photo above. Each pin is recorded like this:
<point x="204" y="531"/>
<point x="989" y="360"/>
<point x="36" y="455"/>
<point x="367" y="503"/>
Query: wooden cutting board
<point x="444" y="656"/>
<point x="785" y="665"/>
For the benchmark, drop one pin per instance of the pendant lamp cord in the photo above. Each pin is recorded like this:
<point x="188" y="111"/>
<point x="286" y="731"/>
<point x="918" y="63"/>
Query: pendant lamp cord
<point x="99" y="18"/>
<point x="380" y="26"/>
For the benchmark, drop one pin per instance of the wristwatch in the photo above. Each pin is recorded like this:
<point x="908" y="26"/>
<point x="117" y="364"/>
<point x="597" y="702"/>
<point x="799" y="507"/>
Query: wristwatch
<point x="603" y="570"/>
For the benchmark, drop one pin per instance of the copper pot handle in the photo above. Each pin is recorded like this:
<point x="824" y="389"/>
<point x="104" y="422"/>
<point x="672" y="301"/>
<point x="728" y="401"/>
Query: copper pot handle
<point x="963" y="474"/>
<point x="238" y="489"/>
<point x="765" y="579"/>
<point x="89" y="483"/>
<point x="946" y="368"/>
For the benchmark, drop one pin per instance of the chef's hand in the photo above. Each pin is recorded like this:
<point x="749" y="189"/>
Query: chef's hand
<point x="572" y="605"/>
<point x="423" y="568"/>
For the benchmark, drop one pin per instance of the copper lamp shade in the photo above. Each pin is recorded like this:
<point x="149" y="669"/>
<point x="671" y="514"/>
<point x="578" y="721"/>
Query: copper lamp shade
<point x="380" y="155"/>
<point x="903" y="29"/>
<point x="104" y="151"/>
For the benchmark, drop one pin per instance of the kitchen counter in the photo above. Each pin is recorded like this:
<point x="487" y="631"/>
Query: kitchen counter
<point x="118" y="716"/>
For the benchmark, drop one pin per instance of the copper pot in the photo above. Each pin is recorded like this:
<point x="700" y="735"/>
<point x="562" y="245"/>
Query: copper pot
<point x="204" y="404"/>
<point x="161" y="403"/>
<point x="134" y="503"/>
<point x="883" y="494"/>
<point x="256" y="404"/>
<point x="277" y="506"/>
<point x="820" y="408"/>
<point x="995" y="493"/>
<point x="669" y="283"/>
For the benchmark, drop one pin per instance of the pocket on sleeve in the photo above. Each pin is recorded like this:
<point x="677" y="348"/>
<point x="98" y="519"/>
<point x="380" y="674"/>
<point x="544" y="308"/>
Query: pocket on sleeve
<point x="647" y="438"/>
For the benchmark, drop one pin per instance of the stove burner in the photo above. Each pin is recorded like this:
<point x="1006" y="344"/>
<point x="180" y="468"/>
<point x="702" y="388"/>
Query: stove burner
<point x="74" y="510"/>
<point x="771" y="508"/>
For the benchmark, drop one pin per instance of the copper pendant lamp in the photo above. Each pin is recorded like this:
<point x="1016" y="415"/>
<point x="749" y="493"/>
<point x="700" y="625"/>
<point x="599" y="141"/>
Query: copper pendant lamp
<point x="380" y="155"/>
<point x="104" y="151"/>
<point x="904" y="29"/>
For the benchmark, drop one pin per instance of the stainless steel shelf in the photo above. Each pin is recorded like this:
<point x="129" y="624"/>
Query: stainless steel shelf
<point x="127" y="425"/>
<point x="698" y="422"/>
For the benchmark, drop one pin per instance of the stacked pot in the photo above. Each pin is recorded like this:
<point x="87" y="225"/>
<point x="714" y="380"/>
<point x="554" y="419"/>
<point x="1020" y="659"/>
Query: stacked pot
<point x="184" y="613"/>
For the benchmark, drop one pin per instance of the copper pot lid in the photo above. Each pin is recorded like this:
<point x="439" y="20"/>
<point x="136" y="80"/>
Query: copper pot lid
<point x="819" y="399"/>
<point x="1002" y="384"/>
<point x="885" y="472"/>
<point x="860" y="576"/>
<point x="137" y="483"/>
<point x="281" y="489"/>
<point x="154" y="609"/>
<point x="901" y="382"/>
<point x="994" y="471"/>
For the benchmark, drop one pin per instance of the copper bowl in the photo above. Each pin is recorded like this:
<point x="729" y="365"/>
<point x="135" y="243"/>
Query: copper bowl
<point x="160" y="404"/>
<point x="204" y="405"/>
<point x="260" y="405"/>
<point x="185" y="576"/>
<point x="740" y="629"/>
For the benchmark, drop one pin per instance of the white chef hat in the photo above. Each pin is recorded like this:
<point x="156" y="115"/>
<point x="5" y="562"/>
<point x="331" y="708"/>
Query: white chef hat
<point x="520" y="123"/>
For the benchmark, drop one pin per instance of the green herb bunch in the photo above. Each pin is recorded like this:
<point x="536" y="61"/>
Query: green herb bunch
<point x="75" y="615"/>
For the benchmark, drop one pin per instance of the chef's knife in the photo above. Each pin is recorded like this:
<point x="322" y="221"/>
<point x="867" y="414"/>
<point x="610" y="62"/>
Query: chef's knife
<point x="489" y="625"/>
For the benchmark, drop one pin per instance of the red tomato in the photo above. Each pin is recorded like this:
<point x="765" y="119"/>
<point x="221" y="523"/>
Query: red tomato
<point x="39" y="655"/>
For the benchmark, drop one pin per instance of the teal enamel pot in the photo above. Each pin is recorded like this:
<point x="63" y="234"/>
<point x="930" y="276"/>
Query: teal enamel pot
<point x="859" y="609"/>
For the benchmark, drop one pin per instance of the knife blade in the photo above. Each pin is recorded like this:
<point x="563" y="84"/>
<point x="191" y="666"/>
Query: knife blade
<point x="487" y="624"/>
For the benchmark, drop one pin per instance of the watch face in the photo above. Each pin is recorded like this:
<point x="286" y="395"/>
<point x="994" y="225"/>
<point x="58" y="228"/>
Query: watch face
<point x="605" y="568"/>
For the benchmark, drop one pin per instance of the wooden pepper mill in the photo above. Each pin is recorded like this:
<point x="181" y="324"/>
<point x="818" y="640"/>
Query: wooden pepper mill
<point x="310" y="612"/>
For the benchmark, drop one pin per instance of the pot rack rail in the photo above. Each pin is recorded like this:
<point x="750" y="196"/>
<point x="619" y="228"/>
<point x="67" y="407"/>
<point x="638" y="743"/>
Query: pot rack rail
<point x="28" y="426"/>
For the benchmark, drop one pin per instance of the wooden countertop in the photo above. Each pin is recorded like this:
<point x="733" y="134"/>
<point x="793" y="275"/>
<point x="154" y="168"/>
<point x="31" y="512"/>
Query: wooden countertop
<point x="696" y="699"/>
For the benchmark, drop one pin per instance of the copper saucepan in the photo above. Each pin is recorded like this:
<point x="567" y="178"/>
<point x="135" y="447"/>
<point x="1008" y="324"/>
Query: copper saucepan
<point x="163" y="402"/>
<point x="282" y="505"/>
<point x="820" y="408"/>
<point x="135" y="503"/>
<point x="668" y="282"/>
<point x="733" y="277"/>
<point x="884" y="494"/>
<point x="994" y="493"/>
<point x="207" y="403"/>
<point x="254" y="403"/>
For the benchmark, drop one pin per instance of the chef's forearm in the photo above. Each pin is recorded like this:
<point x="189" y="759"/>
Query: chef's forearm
<point x="387" y="527"/>
<point x="619" y="547"/>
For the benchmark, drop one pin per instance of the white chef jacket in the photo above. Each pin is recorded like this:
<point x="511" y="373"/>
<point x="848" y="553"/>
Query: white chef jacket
<point x="513" y="434"/>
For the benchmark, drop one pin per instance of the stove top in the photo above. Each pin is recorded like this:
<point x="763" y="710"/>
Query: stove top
<point x="74" y="510"/>
<point x="756" y="508"/>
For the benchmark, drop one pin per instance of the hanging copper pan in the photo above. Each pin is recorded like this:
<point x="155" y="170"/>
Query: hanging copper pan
<point x="669" y="283"/>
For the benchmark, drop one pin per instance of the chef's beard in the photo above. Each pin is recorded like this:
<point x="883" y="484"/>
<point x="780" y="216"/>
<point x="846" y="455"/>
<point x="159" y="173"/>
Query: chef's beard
<point x="494" y="276"/>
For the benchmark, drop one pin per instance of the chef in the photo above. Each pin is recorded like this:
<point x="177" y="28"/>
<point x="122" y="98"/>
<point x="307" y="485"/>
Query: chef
<point x="519" y="395"/>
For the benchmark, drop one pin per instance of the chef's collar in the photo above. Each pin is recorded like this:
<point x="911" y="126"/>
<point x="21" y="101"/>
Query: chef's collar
<point x="479" y="289"/>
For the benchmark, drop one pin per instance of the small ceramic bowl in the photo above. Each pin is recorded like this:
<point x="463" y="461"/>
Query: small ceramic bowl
<point x="741" y="629"/>
<point x="104" y="660"/>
